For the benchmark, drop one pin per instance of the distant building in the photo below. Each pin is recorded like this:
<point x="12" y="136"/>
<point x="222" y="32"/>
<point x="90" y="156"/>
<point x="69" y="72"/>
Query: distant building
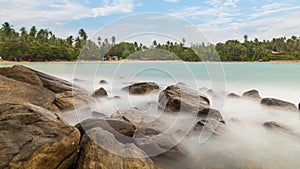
<point x="275" y="52"/>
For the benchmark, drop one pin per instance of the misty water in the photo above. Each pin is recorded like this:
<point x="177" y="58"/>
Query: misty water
<point x="244" y="141"/>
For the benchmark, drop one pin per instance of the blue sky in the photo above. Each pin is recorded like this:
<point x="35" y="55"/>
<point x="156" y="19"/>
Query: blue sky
<point x="218" y="20"/>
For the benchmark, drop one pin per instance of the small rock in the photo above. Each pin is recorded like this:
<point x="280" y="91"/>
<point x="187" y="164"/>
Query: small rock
<point x="254" y="94"/>
<point x="142" y="88"/>
<point x="101" y="92"/>
<point x="103" y="81"/>
<point x="279" y="127"/>
<point x="278" y="104"/>
<point x="233" y="95"/>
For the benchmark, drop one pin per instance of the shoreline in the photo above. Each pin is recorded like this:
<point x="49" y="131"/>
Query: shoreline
<point x="137" y="61"/>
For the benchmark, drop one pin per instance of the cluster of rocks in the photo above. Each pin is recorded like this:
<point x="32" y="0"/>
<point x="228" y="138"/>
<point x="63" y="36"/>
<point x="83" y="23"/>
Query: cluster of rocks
<point x="32" y="134"/>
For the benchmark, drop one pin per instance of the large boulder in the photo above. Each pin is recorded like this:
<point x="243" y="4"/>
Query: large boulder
<point x="22" y="74"/>
<point x="16" y="92"/>
<point x="176" y="98"/>
<point x="100" y="149"/>
<point x="142" y="88"/>
<point x="252" y="94"/>
<point x="33" y="137"/>
<point x="278" y="104"/>
<point x="122" y="130"/>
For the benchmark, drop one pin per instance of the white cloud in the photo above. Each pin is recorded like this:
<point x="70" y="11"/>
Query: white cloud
<point x="271" y="9"/>
<point x="45" y="11"/>
<point x="115" y="6"/>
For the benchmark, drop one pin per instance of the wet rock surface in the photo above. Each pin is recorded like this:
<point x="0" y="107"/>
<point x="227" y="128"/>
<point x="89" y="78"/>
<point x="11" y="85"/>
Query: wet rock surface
<point x="32" y="137"/>
<point x="253" y="94"/>
<point x="101" y="92"/>
<point x="278" y="104"/>
<point x="176" y="98"/>
<point x="142" y="88"/>
<point x="104" y="151"/>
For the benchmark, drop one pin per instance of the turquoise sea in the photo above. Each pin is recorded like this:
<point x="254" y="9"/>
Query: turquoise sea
<point x="279" y="80"/>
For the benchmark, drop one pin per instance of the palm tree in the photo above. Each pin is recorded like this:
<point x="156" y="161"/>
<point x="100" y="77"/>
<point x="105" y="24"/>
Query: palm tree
<point x="7" y="29"/>
<point x="82" y="35"/>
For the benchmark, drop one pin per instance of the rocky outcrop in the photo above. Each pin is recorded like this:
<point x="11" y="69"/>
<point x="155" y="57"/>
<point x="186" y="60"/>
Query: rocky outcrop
<point x="252" y="94"/>
<point x="33" y="137"/>
<point x="278" y="104"/>
<point x="99" y="149"/>
<point x="142" y="88"/>
<point x="41" y="89"/>
<point x="101" y="92"/>
<point x="176" y="98"/>
<point x="233" y="95"/>
<point x="16" y="92"/>
<point x="22" y="74"/>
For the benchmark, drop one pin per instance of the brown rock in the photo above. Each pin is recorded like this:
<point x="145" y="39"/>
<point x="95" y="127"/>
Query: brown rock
<point x="278" y="104"/>
<point x="233" y="95"/>
<point x="122" y="130"/>
<point x="254" y="94"/>
<point x="142" y="88"/>
<point x="16" y="92"/>
<point x="277" y="126"/>
<point x="101" y="92"/>
<point x="176" y="98"/>
<point x="99" y="149"/>
<point x="33" y="137"/>
<point x="22" y="74"/>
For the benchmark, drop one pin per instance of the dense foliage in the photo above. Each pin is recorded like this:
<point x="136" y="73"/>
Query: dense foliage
<point x="43" y="45"/>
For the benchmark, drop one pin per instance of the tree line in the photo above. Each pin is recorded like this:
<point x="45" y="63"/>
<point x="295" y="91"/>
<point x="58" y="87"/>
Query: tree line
<point x="44" y="45"/>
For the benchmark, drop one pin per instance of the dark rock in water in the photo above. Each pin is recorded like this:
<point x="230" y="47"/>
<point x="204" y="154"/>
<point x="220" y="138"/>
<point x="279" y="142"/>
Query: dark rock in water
<point x="99" y="149"/>
<point x="98" y="115"/>
<point x="33" y="137"/>
<point x="103" y="81"/>
<point x="22" y="74"/>
<point x="254" y="94"/>
<point x="134" y="116"/>
<point x="79" y="80"/>
<point x="278" y="104"/>
<point x="210" y="91"/>
<point x="210" y="114"/>
<point x="299" y="106"/>
<point x="210" y="125"/>
<point x="233" y="95"/>
<point x="175" y="98"/>
<point x="119" y="128"/>
<point x="278" y="127"/>
<point x="142" y="88"/>
<point x="16" y="92"/>
<point x="101" y="92"/>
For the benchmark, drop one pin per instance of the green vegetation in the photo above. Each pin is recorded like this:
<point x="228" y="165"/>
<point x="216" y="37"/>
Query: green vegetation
<point x="43" y="45"/>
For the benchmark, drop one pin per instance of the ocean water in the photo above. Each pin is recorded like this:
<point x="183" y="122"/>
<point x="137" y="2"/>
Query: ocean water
<point x="245" y="142"/>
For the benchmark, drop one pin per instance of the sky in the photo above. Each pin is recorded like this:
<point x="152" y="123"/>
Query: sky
<point x="217" y="20"/>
